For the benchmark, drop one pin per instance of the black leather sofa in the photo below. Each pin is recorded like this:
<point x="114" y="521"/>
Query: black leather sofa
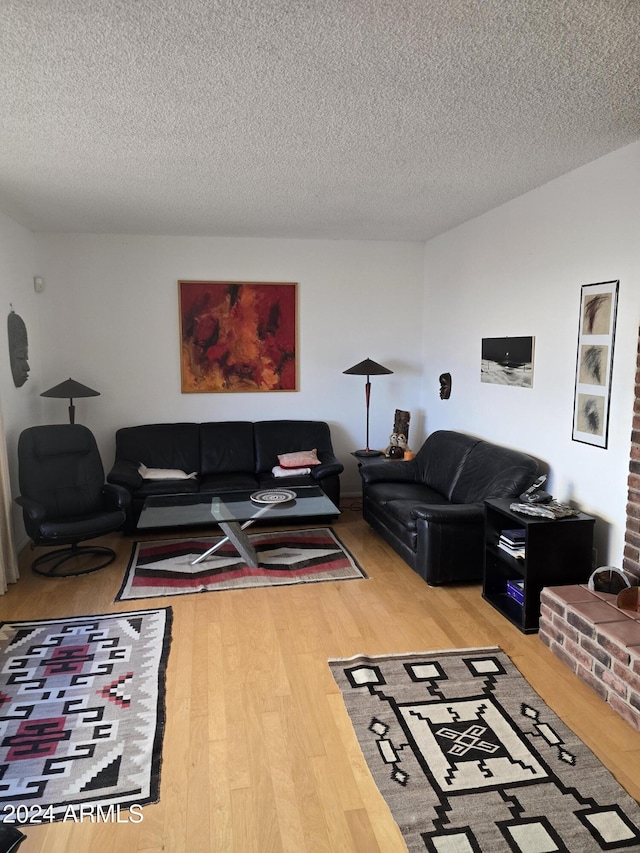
<point x="430" y="509"/>
<point x="224" y="454"/>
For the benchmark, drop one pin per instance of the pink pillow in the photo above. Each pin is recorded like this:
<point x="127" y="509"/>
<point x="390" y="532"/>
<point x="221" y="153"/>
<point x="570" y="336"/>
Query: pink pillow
<point x="299" y="459"/>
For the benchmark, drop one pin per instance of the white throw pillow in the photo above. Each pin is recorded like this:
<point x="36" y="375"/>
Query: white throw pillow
<point x="165" y="473"/>
<point x="278" y="471"/>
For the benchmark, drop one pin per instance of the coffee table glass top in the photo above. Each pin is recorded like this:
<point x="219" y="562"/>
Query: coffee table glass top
<point x="187" y="510"/>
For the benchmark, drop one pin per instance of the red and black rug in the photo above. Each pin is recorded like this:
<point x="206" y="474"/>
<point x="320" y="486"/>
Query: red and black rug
<point x="285" y="557"/>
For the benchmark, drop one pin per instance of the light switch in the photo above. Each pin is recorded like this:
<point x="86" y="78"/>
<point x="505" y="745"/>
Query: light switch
<point x="38" y="284"/>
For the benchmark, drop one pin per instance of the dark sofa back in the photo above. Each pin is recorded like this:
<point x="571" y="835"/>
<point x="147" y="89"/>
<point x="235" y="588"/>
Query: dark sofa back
<point x="441" y="458"/>
<point x="226" y="447"/>
<point x="491" y="471"/>
<point x="275" y="437"/>
<point x="161" y="445"/>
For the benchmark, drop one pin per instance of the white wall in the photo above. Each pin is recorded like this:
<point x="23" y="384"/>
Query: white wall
<point x="110" y="320"/>
<point x="518" y="270"/>
<point x="20" y="407"/>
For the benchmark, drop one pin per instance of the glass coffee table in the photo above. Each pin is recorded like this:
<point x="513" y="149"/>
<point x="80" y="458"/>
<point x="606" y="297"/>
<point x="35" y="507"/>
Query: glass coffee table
<point x="234" y="512"/>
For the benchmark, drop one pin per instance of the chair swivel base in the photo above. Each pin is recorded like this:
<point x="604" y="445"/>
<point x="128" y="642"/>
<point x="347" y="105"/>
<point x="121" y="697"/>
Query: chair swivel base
<point x="50" y="564"/>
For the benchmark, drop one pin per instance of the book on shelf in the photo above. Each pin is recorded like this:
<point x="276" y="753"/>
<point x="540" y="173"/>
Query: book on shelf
<point x="515" y="590"/>
<point x="514" y="550"/>
<point x="516" y="536"/>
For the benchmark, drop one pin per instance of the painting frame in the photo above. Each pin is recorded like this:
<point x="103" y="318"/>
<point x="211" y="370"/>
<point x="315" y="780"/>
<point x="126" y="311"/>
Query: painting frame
<point x="238" y="336"/>
<point x="508" y="361"/>
<point x="594" y="362"/>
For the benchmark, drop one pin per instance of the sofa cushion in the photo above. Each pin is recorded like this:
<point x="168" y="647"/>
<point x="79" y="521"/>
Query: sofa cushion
<point x="161" y="445"/>
<point x="228" y="480"/>
<point x="441" y="458"/>
<point x="166" y="487"/>
<point x="385" y="493"/>
<point x="226" y="447"/>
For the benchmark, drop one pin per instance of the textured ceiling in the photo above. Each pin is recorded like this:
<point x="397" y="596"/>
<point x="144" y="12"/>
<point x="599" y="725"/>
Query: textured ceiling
<point x="365" y="119"/>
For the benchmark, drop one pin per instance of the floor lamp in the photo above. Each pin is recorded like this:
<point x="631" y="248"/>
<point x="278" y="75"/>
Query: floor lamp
<point x="367" y="368"/>
<point x="70" y="389"/>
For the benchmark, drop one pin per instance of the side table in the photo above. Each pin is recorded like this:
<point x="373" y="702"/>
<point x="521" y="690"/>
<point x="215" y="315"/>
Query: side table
<point x="556" y="552"/>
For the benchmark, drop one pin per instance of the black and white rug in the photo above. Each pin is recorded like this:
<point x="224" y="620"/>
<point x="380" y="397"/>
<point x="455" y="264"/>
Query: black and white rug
<point x="471" y="760"/>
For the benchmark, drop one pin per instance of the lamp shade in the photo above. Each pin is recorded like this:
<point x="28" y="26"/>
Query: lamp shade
<point x="367" y="368"/>
<point x="70" y="388"/>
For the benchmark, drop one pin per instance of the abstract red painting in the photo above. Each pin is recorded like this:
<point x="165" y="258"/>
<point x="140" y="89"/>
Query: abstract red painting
<point x="237" y="336"/>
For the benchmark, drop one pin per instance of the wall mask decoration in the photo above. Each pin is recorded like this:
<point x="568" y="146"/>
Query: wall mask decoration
<point x="594" y="362"/>
<point x="238" y="336"/>
<point x="445" y="386"/>
<point x="507" y="361"/>
<point x="18" y="348"/>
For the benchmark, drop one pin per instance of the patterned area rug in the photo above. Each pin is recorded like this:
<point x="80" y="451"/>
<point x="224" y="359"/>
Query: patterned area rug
<point x="285" y="557"/>
<point x="82" y="715"/>
<point x="469" y="758"/>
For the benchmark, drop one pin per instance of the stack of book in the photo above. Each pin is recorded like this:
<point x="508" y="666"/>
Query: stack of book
<point x="513" y="542"/>
<point x="515" y="590"/>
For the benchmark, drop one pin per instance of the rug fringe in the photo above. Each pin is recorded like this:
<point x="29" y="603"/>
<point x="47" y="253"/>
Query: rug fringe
<point x="364" y="656"/>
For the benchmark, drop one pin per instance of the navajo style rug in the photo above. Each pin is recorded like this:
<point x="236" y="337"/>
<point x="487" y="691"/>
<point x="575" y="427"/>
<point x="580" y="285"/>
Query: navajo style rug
<point x="82" y="714"/>
<point x="469" y="758"/>
<point x="285" y="557"/>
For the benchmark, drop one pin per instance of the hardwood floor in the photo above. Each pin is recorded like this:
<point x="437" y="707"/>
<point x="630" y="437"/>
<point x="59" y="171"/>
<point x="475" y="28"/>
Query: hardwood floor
<point x="259" y="754"/>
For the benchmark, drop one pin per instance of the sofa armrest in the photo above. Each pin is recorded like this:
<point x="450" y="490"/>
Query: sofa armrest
<point x="390" y="472"/>
<point x="116" y="497"/>
<point x="329" y="464"/>
<point x="34" y="510"/>
<point x="449" y="513"/>
<point x="125" y="473"/>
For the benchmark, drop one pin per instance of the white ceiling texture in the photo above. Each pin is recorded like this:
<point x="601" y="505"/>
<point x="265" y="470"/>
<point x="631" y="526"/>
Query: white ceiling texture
<point x="342" y="119"/>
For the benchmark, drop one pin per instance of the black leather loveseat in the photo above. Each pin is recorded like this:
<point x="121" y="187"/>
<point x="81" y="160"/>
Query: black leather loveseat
<point x="430" y="509"/>
<point x="223" y="455"/>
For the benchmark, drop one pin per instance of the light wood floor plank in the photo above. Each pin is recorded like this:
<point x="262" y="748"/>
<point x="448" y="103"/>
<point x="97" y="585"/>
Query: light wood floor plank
<point x="259" y="752"/>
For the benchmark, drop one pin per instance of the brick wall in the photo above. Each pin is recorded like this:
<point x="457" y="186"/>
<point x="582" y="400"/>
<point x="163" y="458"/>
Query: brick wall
<point x="631" y="559"/>
<point x="597" y="641"/>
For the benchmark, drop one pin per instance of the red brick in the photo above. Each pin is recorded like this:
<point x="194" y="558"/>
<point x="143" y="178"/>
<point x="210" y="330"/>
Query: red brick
<point x="633" y="524"/>
<point x="632" y="717"/>
<point x="631" y="565"/>
<point x="560" y="653"/>
<point x="582" y="625"/>
<point x="608" y="678"/>
<point x="545" y="612"/>
<point x="545" y="638"/>
<point x="554" y="604"/>
<point x="567" y="630"/>
<point x="627" y="675"/>
<point x="554" y="632"/>
<point x="613" y="648"/>
<point x="634" y="700"/>
<point x="596" y="651"/>
<point x="590" y="679"/>
<point x="579" y="654"/>
<point x="632" y="538"/>
<point x="633" y="510"/>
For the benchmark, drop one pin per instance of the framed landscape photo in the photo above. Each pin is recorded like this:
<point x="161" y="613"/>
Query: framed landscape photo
<point x="507" y="361"/>
<point x="237" y="336"/>
<point x="594" y="362"/>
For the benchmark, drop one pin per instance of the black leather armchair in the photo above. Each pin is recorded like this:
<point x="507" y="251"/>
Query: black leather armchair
<point x="431" y="509"/>
<point x="64" y="498"/>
